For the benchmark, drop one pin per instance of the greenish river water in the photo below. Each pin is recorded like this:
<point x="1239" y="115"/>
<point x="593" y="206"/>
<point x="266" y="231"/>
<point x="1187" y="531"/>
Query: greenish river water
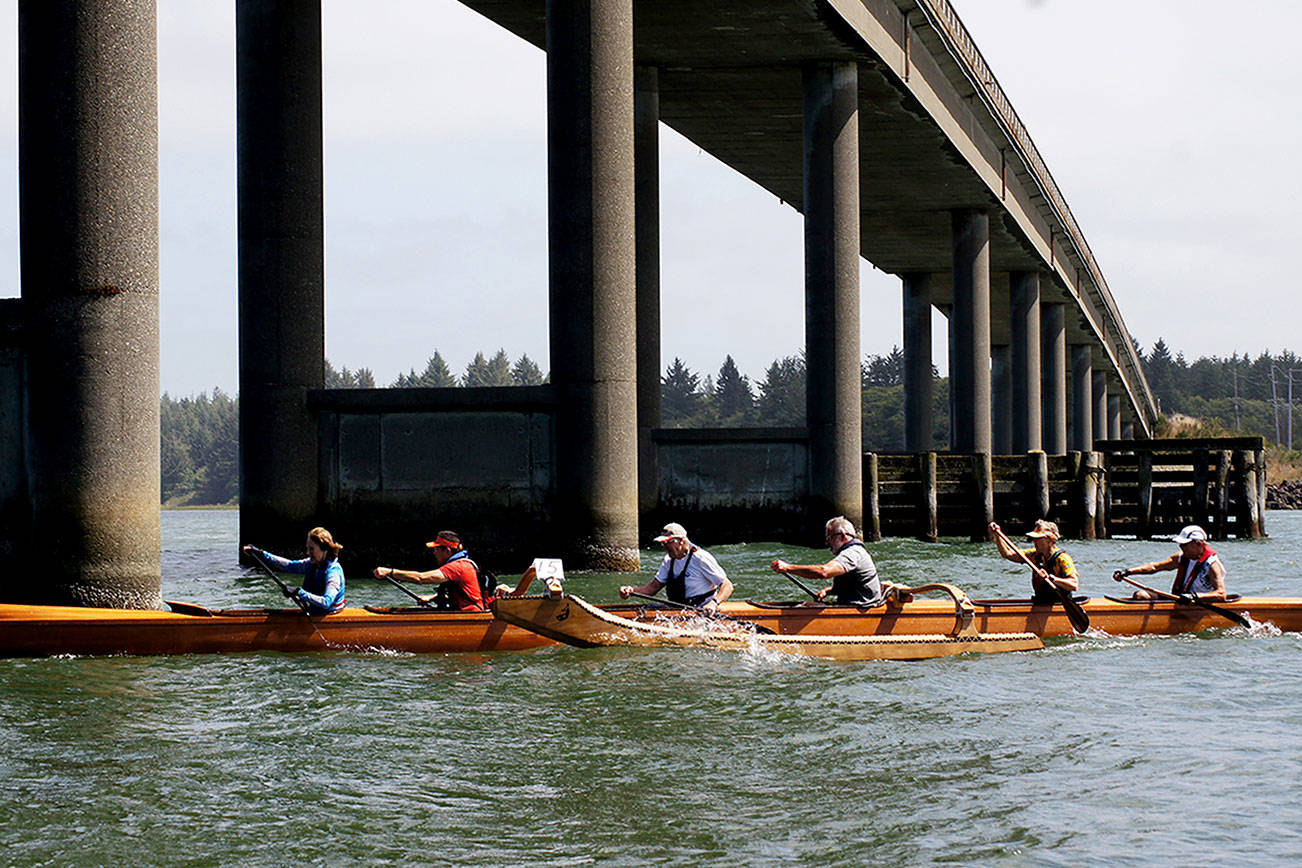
<point x="1097" y="750"/>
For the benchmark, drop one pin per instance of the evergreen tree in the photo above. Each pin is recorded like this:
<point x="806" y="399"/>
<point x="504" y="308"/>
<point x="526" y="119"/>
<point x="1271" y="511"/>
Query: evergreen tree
<point x="782" y="393"/>
<point x="437" y="375"/>
<point x="526" y="373"/>
<point x="488" y="372"/>
<point x="733" y="399"/>
<point x="680" y="396"/>
<point x="887" y="370"/>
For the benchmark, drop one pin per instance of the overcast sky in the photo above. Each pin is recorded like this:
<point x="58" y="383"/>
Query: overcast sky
<point x="1171" y="126"/>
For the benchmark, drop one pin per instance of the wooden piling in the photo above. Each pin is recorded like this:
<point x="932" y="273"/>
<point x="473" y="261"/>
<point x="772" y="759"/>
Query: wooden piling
<point x="1145" y="524"/>
<point x="1260" y="458"/>
<point x="1089" y="494"/>
<point x="983" y="506"/>
<point x="1037" y="483"/>
<point x="1221" y="500"/>
<point x="872" y="518"/>
<point x="1101" y="508"/>
<point x="1201" y="494"/>
<point x="929" y="521"/>
<point x="1246" y="525"/>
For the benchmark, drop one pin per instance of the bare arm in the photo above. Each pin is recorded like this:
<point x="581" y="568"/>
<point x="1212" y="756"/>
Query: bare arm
<point x="1158" y="566"/>
<point x="429" y="577"/>
<point x="649" y="589"/>
<point x="1006" y="549"/>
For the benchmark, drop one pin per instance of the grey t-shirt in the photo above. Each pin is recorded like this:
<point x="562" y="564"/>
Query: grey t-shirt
<point x="858" y="585"/>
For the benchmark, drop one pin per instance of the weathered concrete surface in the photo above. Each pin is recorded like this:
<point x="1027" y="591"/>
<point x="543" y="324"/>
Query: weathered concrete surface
<point x="15" y="508"/>
<point x="937" y="133"/>
<point x="1024" y="301"/>
<point x="919" y="416"/>
<point x="592" y="298"/>
<point x="281" y="265"/>
<point x="1053" y="391"/>
<point x="646" y="165"/>
<point x="970" y="332"/>
<point x="833" y="392"/>
<point x="88" y="210"/>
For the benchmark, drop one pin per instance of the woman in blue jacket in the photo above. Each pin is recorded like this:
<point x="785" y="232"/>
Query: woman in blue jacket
<point x="323" y="577"/>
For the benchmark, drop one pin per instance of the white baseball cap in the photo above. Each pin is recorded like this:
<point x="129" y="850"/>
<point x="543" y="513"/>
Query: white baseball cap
<point x="1190" y="534"/>
<point x="673" y="530"/>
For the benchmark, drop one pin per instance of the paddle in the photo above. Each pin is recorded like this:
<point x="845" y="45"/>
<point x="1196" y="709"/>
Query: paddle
<point x="1121" y="576"/>
<point x="284" y="588"/>
<point x="1080" y="622"/>
<point x="808" y="590"/>
<point x="702" y="610"/>
<point x="417" y="597"/>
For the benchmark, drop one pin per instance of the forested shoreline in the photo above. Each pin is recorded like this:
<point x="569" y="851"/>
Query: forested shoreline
<point x="1219" y="396"/>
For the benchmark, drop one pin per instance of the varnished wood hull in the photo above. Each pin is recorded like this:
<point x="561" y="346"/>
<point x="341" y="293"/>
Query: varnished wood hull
<point x="574" y="621"/>
<point x="37" y="631"/>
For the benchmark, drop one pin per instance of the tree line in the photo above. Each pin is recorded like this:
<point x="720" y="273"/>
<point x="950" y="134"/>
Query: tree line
<point x="200" y="434"/>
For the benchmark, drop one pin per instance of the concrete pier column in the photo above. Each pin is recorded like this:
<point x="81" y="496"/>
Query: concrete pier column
<point x="592" y="278"/>
<point x="1053" y="342"/>
<point x="1100" y="405"/>
<point x="919" y="414"/>
<point x="1127" y="430"/>
<point x="1080" y="424"/>
<point x="970" y="324"/>
<point x="834" y="407"/>
<point x="88" y="213"/>
<point x="646" y="167"/>
<point x="1114" y="417"/>
<point x="1001" y="397"/>
<point x="281" y="265"/>
<point x="1024" y="295"/>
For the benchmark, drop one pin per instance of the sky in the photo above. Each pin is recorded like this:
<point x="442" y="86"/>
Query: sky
<point x="1171" y="126"/>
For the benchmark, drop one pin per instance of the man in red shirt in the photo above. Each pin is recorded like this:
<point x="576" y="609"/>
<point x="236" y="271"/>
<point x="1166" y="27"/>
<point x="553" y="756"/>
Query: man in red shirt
<point x="456" y="572"/>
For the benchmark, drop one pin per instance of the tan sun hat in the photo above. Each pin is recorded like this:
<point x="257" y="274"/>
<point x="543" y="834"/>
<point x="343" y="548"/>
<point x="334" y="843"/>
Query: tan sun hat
<point x="673" y="530"/>
<point x="1044" y="529"/>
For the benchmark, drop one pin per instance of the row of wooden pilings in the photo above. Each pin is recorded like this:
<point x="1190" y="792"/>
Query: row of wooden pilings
<point x="1143" y="488"/>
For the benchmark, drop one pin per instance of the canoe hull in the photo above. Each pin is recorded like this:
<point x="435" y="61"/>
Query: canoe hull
<point x="576" y="622"/>
<point x="40" y="631"/>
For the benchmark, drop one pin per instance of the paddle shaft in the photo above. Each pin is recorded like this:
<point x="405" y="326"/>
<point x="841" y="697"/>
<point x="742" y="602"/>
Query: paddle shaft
<point x="1224" y="613"/>
<point x="808" y="590"/>
<point x="1080" y="621"/>
<point x="257" y="559"/>
<point x="417" y="597"/>
<point x="700" y="609"/>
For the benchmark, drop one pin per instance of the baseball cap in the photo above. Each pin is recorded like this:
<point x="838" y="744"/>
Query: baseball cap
<point x="673" y="530"/>
<point x="1189" y="534"/>
<point x="1044" y="528"/>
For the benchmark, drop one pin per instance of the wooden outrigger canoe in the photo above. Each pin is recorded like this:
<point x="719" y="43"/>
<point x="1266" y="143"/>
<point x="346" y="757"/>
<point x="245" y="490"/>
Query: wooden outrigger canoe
<point x="42" y="631"/>
<point x="1116" y="617"/>
<point x="574" y="621"/>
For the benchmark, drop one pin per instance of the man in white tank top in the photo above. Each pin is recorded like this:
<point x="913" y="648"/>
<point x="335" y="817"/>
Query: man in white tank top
<point x="1199" y="572"/>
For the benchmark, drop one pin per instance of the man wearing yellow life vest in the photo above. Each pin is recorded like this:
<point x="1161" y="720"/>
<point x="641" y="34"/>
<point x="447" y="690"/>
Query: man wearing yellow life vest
<point x="1052" y="563"/>
<point x="1199" y="573"/>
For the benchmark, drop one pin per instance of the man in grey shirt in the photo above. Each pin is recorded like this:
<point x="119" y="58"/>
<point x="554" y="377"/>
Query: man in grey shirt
<point x="852" y="571"/>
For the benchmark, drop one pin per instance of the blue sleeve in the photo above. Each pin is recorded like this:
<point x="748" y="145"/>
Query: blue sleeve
<point x="285" y="566"/>
<point x="334" y="590"/>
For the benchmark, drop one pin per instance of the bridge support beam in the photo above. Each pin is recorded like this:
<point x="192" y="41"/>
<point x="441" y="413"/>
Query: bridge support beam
<point x="88" y="210"/>
<point x="1024" y="292"/>
<point x="919" y="414"/>
<point x="1100" y="402"/>
<point x="592" y="278"/>
<point x="831" y="192"/>
<point x="1080" y="424"/>
<point x="1001" y="399"/>
<point x="646" y="167"/>
<point x="1053" y="338"/>
<point x="1114" y="417"/>
<point x="970" y="329"/>
<point x="281" y="265"/>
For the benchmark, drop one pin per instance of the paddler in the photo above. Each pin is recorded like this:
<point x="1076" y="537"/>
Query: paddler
<point x="1052" y="564"/>
<point x="851" y="569"/>
<point x="689" y="573"/>
<point x="455" y="571"/>
<point x="323" y="577"/>
<point x="1199" y="573"/>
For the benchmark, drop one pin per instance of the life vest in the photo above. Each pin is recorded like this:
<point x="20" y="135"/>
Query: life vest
<point x="676" y="585"/>
<point x="1191" y="573"/>
<point x="462" y="597"/>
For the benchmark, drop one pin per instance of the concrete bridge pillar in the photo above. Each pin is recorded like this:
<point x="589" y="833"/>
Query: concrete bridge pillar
<point x="919" y="415"/>
<point x="831" y="194"/>
<point x="970" y="329"/>
<point x="1001" y="399"/>
<point x="281" y="265"/>
<point x="646" y="167"/>
<point x="1080" y="424"/>
<point x="1024" y="291"/>
<point x="592" y="277"/>
<point x="1100" y="402"/>
<point x="88" y="212"/>
<point x="1114" y="417"/>
<point x="1053" y="342"/>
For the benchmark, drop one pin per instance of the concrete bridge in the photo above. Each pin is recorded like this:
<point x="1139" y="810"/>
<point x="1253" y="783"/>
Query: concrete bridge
<point x="878" y="119"/>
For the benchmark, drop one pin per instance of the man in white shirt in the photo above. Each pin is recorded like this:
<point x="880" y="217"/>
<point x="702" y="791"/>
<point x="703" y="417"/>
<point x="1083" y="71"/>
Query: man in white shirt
<point x="690" y="574"/>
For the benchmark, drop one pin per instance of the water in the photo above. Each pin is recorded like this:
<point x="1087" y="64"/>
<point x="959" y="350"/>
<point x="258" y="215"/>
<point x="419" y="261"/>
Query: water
<point x="1096" y="750"/>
